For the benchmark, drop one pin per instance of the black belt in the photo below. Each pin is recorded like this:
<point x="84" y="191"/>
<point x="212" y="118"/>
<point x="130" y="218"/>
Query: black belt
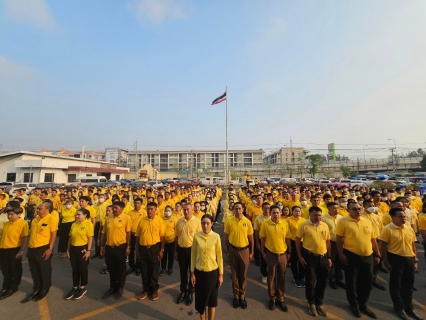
<point x="277" y="254"/>
<point x="150" y="246"/>
<point x="119" y="246"/>
<point x="239" y="249"/>
<point x="314" y="254"/>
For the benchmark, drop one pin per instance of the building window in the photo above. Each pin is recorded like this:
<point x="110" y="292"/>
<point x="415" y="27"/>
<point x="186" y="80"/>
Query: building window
<point x="28" y="177"/>
<point x="11" y="177"/>
<point x="72" y="177"/>
<point x="49" y="177"/>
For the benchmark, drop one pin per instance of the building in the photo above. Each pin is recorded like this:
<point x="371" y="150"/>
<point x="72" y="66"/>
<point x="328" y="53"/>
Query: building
<point x="82" y="154"/>
<point x="24" y="166"/>
<point x="286" y="155"/>
<point x="193" y="159"/>
<point x="116" y="155"/>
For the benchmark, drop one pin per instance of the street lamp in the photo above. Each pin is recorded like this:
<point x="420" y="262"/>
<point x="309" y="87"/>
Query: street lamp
<point x="363" y="150"/>
<point x="396" y="153"/>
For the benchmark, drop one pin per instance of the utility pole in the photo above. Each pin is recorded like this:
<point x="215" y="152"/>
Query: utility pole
<point x="393" y="159"/>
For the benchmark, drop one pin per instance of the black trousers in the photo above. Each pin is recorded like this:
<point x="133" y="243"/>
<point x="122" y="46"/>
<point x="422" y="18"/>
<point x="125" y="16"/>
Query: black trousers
<point x="297" y="269"/>
<point x="184" y="260"/>
<point x="316" y="275"/>
<point x="11" y="268"/>
<point x="115" y="259"/>
<point x="133" y="262"/>
<point x="41" y="270"/>
<point x="150" y="267"/>
<point x="336" y="268"/>
<point x="168" y="256"/>
<point x="79" y="266"/>
<point x="64" y="235"/>
<point x="358" y="276"/>
<point x="96" y="236"/>
<point x="401" y="281"/>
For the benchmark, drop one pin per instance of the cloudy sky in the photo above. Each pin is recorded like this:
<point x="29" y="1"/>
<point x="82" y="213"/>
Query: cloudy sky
<point x="107" y="73"/>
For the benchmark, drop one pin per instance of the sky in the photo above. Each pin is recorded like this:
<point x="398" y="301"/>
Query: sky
<point x="106" y="73"/>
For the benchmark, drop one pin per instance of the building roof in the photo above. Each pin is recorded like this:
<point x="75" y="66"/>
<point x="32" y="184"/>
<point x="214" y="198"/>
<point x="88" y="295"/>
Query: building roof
<point x="3" y="155"/>
<point x="196" y="151"/>
<point x="91" y="169"/>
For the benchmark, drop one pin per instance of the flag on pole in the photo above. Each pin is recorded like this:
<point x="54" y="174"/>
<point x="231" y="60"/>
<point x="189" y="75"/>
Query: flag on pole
<point x="220" y="99"/>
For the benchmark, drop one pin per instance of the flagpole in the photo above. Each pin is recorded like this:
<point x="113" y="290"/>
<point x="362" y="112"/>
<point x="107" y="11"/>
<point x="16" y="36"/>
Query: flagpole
<point x="226" y="158"/>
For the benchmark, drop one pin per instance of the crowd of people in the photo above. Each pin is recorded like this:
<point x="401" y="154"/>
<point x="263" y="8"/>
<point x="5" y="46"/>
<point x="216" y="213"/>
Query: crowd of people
<point x="342" y="236"/>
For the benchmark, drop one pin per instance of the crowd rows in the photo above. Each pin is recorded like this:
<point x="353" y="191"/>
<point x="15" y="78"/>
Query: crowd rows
<point x="325" y="234"/>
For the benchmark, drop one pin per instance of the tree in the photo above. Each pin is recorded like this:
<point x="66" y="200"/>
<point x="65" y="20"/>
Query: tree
<point x="423" y="162"/>
<point x="346" y="171"/>
<point x="316" y="160"/>
<point x="328" y="173"/>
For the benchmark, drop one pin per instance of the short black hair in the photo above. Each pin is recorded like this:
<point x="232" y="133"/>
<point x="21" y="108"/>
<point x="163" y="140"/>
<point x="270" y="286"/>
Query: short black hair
<point x="314" y="208"/>
<point x="394" y="211"/>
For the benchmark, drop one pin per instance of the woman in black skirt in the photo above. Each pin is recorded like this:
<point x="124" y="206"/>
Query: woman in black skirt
<point x="206" y="268"/>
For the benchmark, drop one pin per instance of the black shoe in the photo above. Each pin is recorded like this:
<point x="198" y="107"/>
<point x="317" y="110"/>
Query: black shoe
<point x="378" y="285"/>
<point x="189" y="298"/>
<point x="137" y="272"/>
<point x="413" y="314"/>
<point x="162" y="272"/>
<point x="235" y="303"/>
<point x="382" y="269"/>
<point x="341" y="284"/>
<point x="32" y="296"/>
<point x="71" y="294"/>
<point x="321" y="311"/>
<point x="355" y="311"/>
<point x="401" y="313"/>
<point x="41" y="295"/>
<point x="95" y="256"/>
<point x="282" y="305"/>
<point x="368" y="312"/>
<point x="243" y="303"/>
<point x="271" y="304"/>
<point x="118" y="294"/>
<point x="181" y="297"/>
<point x="2" y="292"/>
<point x="80" y="293"/>
<point x="110" y="292"/>
<point x="8" y="293"/>
<point x="170" y="272"/>
<point x="333" y="285"/>
<point x="131" y="269"/>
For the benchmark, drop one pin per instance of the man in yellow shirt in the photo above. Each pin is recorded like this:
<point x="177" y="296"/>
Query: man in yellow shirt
<point x="135" y="215"/>
<point x="169" y="238"/>
<point x="297" y="269"/>
<point x="12" y="245"/>
<point x="399" y="253"/>
<point x="253" y="210"/>
<point x="186" y="228"/>
<point x="150" y="249"/>
<point x="100" y="218"/>
<point x="422" y="229"/>
<point x="356" y="242"/>
<point x="127" y="206"/>
<point x="315" y="256"/>
<point x="275" y="245"/>
<point x="40" y="248"/>
<point x="331" y="219"/>
<point x="383" y="208"/>
<point x="260" y="219"/>
<point x="239" y="247"/>
<point x="116" y="243"/>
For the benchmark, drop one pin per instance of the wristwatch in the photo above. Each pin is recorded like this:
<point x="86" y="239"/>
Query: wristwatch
<point x="162" y="250"/>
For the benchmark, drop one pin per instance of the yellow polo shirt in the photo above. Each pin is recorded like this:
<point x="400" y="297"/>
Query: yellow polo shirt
<point x="169" y="231"/>
<point x="293" y="224"/>
<point x="238" y="231"/>
<point x="13" y="232"/>
<point x="331" y="223"/>
<point x="68" y="215"/>
<point x="357" y="235"/>
<point x="116" y="229"/>
<point x="186" y="229"/>
<point x="41" y="230"/>
<point x="275" y="235"/>
<point x="206" y="252"/>
<point x="150" y="231"/>
<point x="253" y="211"/>
<point x="376" y="221"/>
<point x="314" y="237"/>
<point x="260" y="219"/>
<point x="81" y="232"/>
<point x="400" y="239"/>
<point x="422" y="222"/>
<point x="136" y="217"/>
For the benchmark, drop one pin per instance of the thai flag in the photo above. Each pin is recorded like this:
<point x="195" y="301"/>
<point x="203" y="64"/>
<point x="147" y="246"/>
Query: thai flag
<point x="220" y="99"/>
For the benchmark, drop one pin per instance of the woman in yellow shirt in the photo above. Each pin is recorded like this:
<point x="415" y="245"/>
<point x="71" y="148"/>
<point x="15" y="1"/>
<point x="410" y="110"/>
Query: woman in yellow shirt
<point x="206" y="268"/>
<point x="169" y="238"/>
<point x="67" y="219"/>
<point x="297" y="268"/>
<point x="78" y="252"/>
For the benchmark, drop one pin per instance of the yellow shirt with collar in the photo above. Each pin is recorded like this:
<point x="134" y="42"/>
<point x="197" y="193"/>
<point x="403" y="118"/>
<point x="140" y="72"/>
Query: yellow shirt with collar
<point x="400" y="239"/>
<point x="314" y="236"/>
<point x="81" y="232"/>
<point x="275" y="235"/>
<point x="238" y="231"/>
<point x="150" y="231"/>
<point x="12" y="234"/>
<point x="206" y="252"/>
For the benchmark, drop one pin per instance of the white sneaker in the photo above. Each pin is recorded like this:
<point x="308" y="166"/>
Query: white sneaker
<point x="264" y="280"/>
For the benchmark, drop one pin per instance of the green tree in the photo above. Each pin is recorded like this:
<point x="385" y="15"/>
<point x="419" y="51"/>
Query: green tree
<point x="346" y="171"/>
<point x="328" y="173"/>
<point x="316" y="160"/>
<point x="423" y="162"/>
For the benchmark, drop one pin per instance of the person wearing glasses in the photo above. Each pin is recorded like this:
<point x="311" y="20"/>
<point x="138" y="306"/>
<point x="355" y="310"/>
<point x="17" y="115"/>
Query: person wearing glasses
<point x="356" y="242"/>
<point x="399" y="252"/>
<point x="12" y="244"/>
<point x="79" y="244"/>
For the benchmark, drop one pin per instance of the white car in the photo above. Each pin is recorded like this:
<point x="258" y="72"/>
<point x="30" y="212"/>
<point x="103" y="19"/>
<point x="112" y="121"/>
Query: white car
<point x="154" y="184"/>
<point x="28" y="186"/>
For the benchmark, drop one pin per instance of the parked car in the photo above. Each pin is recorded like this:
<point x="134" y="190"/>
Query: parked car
<point x="28" y="186"/>
<point x="6" y="185"/>
<point x="45" y="185"/>
<point x="154" y="184"/>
